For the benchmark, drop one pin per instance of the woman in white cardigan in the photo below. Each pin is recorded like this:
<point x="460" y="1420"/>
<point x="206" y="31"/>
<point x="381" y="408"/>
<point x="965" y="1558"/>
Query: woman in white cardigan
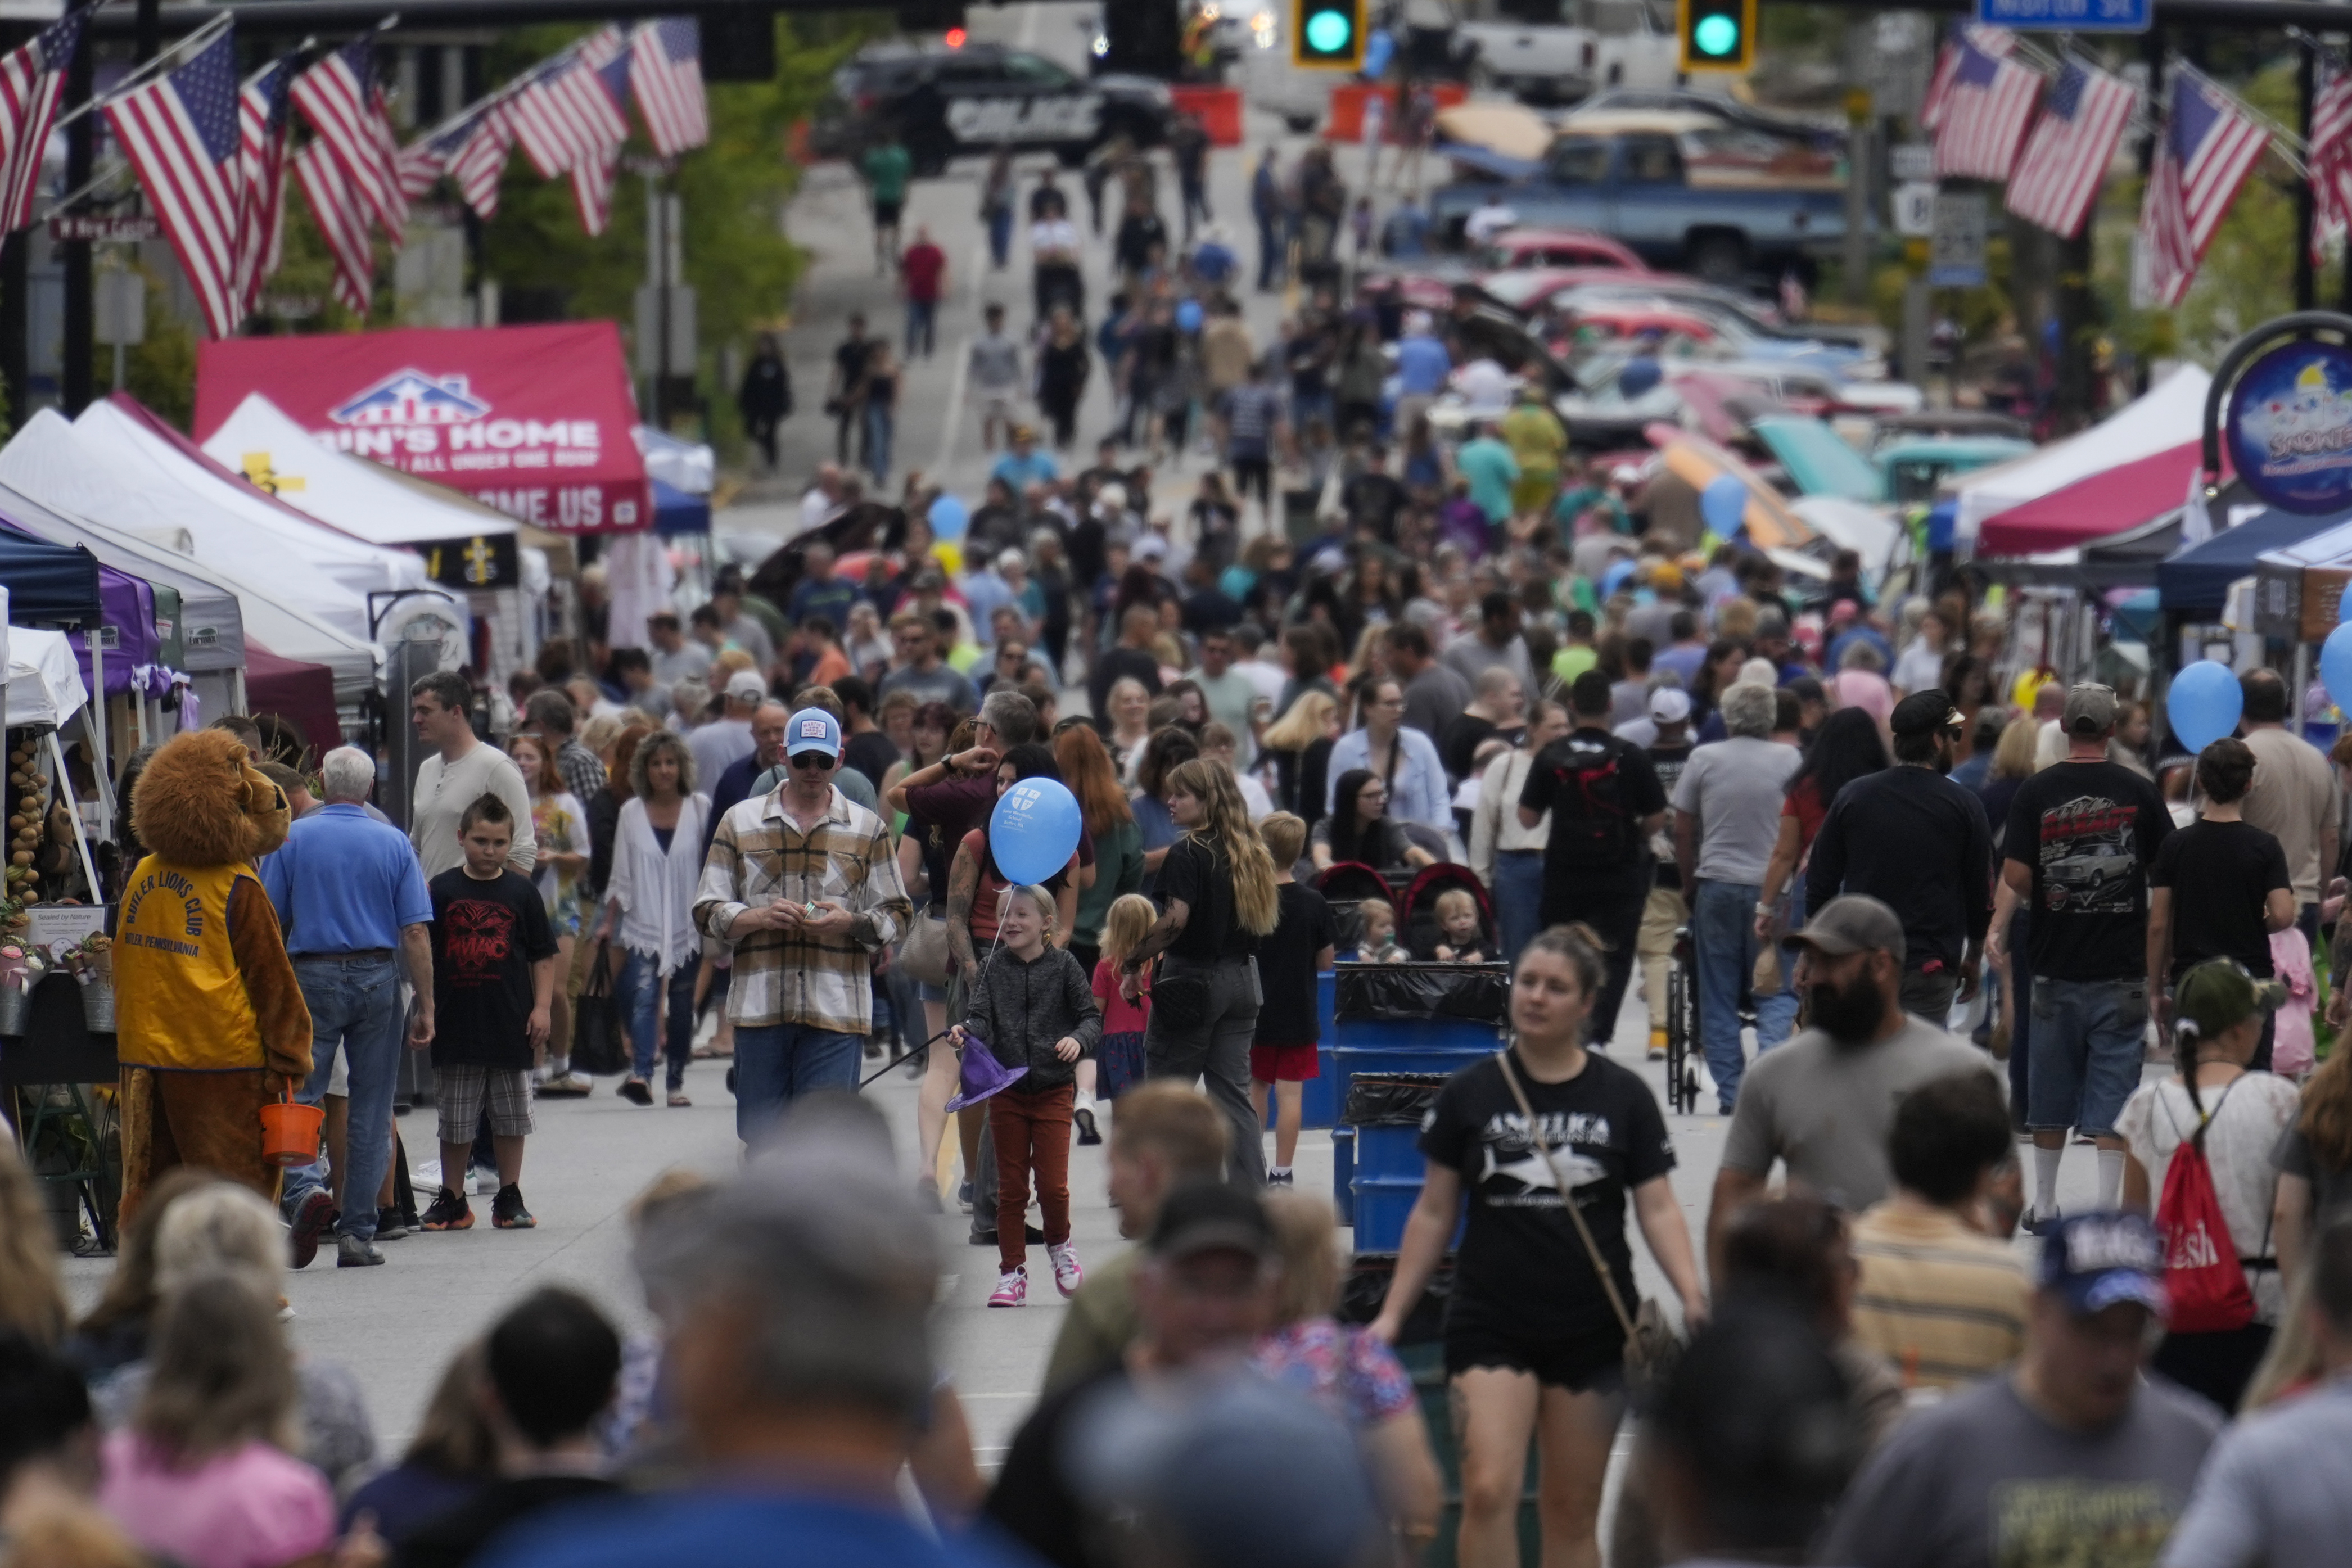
<point x="656" y="861"/>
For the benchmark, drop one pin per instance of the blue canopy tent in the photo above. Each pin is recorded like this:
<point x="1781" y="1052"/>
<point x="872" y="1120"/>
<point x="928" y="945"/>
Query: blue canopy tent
<point x="2197" y="581"/>
<point x="49" y="585"/>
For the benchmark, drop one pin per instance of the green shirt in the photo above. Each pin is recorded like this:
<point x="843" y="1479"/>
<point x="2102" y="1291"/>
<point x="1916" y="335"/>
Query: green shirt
<point x="1491" y="470"/>
<point x="1099" y="1323"/>
<point x="888" y="168"/>
<point x="1572" y="661"/>
<point x="1118" y="868"/>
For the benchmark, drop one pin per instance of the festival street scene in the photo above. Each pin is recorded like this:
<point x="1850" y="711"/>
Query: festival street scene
<point x="1175" y="784"/>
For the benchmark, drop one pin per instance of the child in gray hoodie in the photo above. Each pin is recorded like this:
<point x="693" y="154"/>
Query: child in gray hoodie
<point x="1034" y="1009"/>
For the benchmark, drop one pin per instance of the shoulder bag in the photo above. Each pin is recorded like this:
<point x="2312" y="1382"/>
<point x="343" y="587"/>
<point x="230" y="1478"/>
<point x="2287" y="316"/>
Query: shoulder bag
<point x="923" y="952"/>
<point x="1652" y="1344"/>
<point x="596" y="1047"/>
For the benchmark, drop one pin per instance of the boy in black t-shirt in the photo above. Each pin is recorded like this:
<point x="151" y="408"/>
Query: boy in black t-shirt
<point x="493" y="982"/>
<point x="1289" y="959"/>
<point x="2233" y="883"/>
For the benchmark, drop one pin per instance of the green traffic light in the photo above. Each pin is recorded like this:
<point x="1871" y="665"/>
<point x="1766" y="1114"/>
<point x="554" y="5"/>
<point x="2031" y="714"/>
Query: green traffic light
<point x="1327" y="31"/>
<point x="1718" y="35"/>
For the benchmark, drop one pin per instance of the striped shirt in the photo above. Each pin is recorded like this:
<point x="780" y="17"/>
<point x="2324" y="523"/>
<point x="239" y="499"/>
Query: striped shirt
<point x="759" y="856"/>
<point x="1944" y="1303"/>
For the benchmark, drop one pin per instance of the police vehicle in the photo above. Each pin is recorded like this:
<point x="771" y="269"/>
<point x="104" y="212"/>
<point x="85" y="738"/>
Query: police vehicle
<point x="944" y="103"/>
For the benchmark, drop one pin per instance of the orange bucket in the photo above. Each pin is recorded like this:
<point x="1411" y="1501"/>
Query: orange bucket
<point x="289" y="1130"/>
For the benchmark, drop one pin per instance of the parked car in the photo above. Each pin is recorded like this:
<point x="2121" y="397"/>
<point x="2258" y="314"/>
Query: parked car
<point x="1634" y="179"/>
<point x="1519" y="246"/>
<point x="1915" y="468"/>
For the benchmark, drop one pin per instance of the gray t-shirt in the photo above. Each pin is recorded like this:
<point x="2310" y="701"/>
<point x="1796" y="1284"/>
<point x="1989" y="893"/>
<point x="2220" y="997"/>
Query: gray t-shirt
<point x="1826" y="1108"/>
<point x="1434" y="698"/>
<point x="2272" y="1490"/>
<point x="944" y="684"/>
<point x="1735" y="789"/>
<point x="995" y="363"/>
<point x="1982" y="1480"/>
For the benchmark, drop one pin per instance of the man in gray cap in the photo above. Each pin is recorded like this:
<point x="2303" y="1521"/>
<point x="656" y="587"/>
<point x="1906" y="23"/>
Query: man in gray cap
<point x="1824" y="1101"/>
<point x="2081" y="837"/>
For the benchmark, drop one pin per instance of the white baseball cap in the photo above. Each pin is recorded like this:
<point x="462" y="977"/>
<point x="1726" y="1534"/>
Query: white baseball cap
<point x="745" y="686"/>
<point x="1669" y="705"/>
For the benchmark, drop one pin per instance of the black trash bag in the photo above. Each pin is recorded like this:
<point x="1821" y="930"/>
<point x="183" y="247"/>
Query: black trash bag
<point x="1367" y="1287"/>
<point x="1392" y="1099"/>
<point x="1475" y="993"/>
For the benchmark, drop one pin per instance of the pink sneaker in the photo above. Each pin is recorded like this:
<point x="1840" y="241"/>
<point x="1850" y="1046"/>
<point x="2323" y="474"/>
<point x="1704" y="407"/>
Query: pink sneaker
<point x="1012" y="1290"/>
<point x="1068" y="1275"/>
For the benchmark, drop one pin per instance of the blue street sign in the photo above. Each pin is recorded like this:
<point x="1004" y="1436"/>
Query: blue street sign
<point x="2065" y="15"/>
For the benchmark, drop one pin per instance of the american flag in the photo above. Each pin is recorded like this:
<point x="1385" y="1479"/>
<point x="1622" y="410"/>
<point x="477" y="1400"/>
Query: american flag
<point x="1981" y="114"/>
<point x="2206" y="152"/>
<point x="340" y="221"/>
<point x="264" y="128"/>
<point x="481" y="158"/>
<point x="1994" y="41"/>
<point x="2072" y="144"/>
<point x="339" y="97"/>
<point x="31" y="78"/>
<point x="179" y="130"/>
<point x="2330" y="156"/>
<point x="666" y="59"/>
<point x="568" y="112"/>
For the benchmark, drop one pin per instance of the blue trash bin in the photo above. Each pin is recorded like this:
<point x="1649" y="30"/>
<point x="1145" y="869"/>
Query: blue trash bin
<point x="1343" y="1173"/>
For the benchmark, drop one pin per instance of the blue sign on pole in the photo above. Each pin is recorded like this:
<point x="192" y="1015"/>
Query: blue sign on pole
<point x="2289" y="427"/>
<point x="2066" y="16"/>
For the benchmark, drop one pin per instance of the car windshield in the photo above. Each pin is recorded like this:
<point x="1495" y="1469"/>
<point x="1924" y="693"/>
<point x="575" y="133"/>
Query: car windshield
<point x="1035" y="71"/>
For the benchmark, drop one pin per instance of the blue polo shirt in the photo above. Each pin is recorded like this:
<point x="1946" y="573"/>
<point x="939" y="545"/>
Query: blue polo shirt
<point x="343" y="882"/>
<point x="1422" y="365"/>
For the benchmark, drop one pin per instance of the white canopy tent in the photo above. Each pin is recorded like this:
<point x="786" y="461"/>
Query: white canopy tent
<point x="45" y="686"/>
<point x="2171" y="414"/>
<point x="360" y="498"/>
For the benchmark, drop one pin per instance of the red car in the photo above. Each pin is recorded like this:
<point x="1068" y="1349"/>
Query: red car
<point x="1515" y="249"/>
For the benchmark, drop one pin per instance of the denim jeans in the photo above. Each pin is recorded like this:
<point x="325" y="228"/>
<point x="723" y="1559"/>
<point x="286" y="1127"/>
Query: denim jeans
<point x="999" y="235"/>
<point x="922" y="322"/>
<point x="1723" y="929"/>
<point x="639" y="994"/>
<point x="881" y="422"/>
<point x="1269" y="253"/>
<point x="2087" y="1052"/>
<point x="1518" y="899"/>
<point x="354" y="1003"/>
<point x="776" y="1064"/>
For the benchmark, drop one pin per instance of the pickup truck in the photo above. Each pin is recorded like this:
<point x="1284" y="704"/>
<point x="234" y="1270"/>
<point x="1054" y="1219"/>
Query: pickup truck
<point x="1666" y="190"/>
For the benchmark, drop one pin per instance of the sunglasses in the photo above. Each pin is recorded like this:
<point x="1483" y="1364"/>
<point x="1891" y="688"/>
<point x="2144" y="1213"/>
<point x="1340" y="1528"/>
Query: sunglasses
<point x="814" y="761"/>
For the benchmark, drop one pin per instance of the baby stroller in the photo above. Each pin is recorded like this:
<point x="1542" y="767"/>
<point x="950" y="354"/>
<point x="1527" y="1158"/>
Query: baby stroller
<point x="1347" y="886"/>
<point x="1417" y="924"/>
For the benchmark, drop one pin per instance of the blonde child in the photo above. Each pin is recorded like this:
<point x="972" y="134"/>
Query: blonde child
<point x="1032" y="1007"/>
<point x="1378" y="944"/>
<point x="1461" y="935"/>
<point x="1289" y="958"/>
<point x="1118" y="1062"/>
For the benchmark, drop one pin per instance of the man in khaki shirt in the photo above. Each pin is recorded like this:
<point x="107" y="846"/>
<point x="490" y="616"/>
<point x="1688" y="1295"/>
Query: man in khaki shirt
<point x="2294" y="798"/>
<point x="1227" y="352"/>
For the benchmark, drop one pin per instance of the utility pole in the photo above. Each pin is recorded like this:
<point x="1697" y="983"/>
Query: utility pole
<point x="79" y="369"/>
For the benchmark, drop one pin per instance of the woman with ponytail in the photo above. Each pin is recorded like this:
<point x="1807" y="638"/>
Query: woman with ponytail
<point x="1217" y="898"/>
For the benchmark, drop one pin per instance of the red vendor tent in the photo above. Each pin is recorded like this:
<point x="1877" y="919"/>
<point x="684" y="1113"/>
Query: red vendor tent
<point x="302" y="695"/>
<point x="536" y="421"/>
<point x="2124" y="497"/>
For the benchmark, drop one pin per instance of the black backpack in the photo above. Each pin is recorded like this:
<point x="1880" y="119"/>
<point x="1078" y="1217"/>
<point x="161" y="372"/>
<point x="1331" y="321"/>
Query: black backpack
<point x="1591" y="829"/>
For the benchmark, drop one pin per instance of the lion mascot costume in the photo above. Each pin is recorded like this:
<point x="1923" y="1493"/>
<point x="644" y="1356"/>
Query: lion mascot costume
<point x="210" y="1023"/>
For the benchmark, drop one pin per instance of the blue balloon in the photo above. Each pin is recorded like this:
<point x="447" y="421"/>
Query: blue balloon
<point x="1188" y="315"/>
<point x="1640" y="374"/>
<point x="2204" y="701"/>
<point x="1723" y="504"/>
<point x="1379" y="48"/>
<point x="948" y="516"/>
<point x="1033" y="831"/>
<point x="2335" y="665"/>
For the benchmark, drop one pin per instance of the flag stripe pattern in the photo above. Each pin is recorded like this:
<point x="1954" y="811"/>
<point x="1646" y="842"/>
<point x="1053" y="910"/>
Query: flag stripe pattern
<point x="179" y="132"/>
<point x="666" y="59"/>
<point x="2072" y="145"/>
<point x="480" y="159"/>
<point x="567" y="113"/>
<point x="1995" y="41"/>
<point x="2206" y="152"/>
<point x="31" y="80"/>
<point x="339" y="222"/>
<point x="265" y="126"/>
<point x="338" y="96"/>
<point x="1984" y="110"/>
<point x="2331" y="155"/>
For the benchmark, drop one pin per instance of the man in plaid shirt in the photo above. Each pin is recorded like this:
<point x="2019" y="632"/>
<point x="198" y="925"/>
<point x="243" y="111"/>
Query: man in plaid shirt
<point x="804" y="883"/>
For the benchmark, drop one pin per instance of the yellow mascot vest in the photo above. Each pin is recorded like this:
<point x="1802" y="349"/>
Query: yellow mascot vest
<point x="179" y="1000"/>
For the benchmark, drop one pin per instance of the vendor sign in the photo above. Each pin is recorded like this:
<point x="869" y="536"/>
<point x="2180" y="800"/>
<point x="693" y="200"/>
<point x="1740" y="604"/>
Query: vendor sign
<point x="535" y="421"/>
<point x="2289" y="427"/>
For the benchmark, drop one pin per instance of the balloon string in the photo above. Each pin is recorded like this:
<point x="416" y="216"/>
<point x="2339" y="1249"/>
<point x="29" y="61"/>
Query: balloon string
<point x="1004" y="905"/>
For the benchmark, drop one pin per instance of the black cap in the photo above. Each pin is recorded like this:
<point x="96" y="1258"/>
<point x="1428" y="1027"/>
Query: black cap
<point x="1211" y="1217"/>
<point x="1925" y="713"/>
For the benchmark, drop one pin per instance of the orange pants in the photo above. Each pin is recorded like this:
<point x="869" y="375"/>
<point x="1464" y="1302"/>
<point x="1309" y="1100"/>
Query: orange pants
<point x="1031" y="1132"/>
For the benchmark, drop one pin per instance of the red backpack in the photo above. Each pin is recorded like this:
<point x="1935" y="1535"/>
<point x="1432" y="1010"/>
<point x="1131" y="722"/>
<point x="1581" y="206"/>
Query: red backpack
<point x="2202" y="1273"/>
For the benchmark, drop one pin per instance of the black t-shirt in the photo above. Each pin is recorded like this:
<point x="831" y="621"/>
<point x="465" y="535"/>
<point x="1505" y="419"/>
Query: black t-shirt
<point x="485" y="937"/>
<point x="1458" y="748"/>
<point x="871" y="754"/>
<point x="1668" y="762"/>
<point x="849" y="358"/>
<point x="1521" y="1259"/>
<point x="1919" y="844"/>
<point x="2222" y="872"/>
<point x="1199" y="876"/>
<point x="1285" y="967"/>
<point x="2087" y="830"/>
<point x="1558" y="782"/>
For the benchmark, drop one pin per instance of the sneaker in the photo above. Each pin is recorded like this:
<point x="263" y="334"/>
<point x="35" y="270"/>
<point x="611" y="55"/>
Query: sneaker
<point x="486" y="1182"/>
<point x="450" y="1211"/>
<point x="2034" y="1224"/>
<point x="637" y="1092"/>
<point x="392" y="1225"/>
<point x="963" y="1197"/>
<point x="1068" y="1275"/>
<point x="506" y="1212"/>
<point x="352" y="1252"/>
<point x="1012" y="1290"/>
<point x="1657" y="1045"/>
<point x="311" y="1218"/>
<point x="1084" y="1116"/>
<point x="1279" y="1178"/>
<point x="570" y="1086"/>
<point x="677" y="1098"/>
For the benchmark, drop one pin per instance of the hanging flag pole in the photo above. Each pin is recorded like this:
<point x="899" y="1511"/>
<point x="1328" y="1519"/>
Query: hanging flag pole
<point x="196" y="41"/>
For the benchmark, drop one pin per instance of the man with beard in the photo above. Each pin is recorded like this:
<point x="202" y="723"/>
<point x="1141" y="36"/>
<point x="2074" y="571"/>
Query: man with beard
<point x="1916" y="841"/>
<point x="1824" y="1101"/>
